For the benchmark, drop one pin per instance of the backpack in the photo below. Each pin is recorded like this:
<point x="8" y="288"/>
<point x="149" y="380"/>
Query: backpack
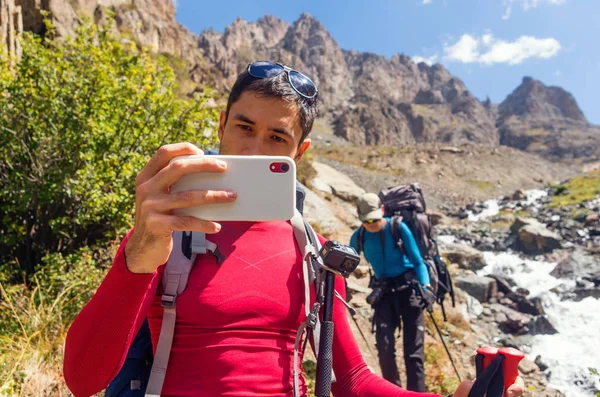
<point x="406" y="203"/>
<point x="142" y="374"/>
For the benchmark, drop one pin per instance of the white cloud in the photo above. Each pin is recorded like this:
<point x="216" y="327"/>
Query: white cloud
<point x="427" y="1"/>
<point x="487" y="39"/>
<point x="465" y="50"/>
<point x="488" y="50"/>
<point x="527" y="5"/>
<point x="430" y="61"/>
<point x="558" y="73"/>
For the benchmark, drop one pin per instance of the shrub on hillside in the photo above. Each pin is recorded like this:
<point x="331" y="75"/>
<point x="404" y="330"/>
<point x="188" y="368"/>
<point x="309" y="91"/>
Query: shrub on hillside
<point x="78" y="120"/>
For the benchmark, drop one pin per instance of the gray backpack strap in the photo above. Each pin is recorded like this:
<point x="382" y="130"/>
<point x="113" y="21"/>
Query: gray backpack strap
<point x="309" y="245"/>
<point x="174" y="280"/>
<point x="309" y="254"/>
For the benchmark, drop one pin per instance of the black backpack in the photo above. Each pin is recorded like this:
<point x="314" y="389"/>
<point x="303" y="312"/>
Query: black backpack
<point x="405" y="203"/>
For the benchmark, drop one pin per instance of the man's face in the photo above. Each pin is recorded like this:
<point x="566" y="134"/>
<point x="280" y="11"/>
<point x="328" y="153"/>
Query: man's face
<point x="262" y="126"/>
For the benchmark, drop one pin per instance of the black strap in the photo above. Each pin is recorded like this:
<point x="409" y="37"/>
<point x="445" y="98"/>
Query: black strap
<point x="382" y="239"/>
<point x="489" y="382"/>
<point x="361" y="239"/>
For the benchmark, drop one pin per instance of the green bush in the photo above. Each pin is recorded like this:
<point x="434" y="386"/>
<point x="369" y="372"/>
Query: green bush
<point x="78" y="120"/>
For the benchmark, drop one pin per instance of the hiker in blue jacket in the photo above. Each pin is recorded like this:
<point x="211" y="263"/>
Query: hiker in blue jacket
<point x="394" y="297"/>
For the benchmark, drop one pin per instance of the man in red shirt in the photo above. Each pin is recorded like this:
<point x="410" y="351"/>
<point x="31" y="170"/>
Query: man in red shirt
<point x="236" y="322"/>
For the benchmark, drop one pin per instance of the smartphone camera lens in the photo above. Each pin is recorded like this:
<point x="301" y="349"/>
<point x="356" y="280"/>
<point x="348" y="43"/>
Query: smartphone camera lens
<point x="285" y="167"/>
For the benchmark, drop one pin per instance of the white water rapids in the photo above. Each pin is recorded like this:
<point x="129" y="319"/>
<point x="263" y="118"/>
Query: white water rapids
<point x="570" y="353"/>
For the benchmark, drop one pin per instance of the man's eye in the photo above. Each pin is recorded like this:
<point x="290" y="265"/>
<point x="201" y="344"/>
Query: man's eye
<point x="278" y="139"/>
<point x="245" y="127"/>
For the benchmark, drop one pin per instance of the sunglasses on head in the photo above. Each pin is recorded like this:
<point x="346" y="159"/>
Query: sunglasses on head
<point x="299" y="82"/>
<point x="370" y="221"/>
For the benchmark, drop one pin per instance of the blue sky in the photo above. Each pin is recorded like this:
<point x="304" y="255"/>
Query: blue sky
<point x="489" y="44"/>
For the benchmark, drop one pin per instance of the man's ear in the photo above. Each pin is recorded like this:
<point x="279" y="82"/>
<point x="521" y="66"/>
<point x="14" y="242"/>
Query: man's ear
<point x="222" y="122"/>
<point x="302" y="148"/>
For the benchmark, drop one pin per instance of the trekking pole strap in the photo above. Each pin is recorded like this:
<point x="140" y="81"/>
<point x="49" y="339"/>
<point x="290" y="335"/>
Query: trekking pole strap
<point x="490" y="382"/>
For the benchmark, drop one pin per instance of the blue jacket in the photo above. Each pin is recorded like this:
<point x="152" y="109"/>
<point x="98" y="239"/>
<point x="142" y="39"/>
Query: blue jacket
<point x="390" y="262"/>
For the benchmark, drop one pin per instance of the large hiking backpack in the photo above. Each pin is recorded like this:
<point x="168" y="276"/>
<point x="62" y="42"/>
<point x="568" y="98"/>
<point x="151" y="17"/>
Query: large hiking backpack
<point x="143" y="373"/>
<point x="406" y="203"/>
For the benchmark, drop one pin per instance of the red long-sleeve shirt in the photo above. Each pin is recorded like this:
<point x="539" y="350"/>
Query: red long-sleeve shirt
<point x="235" y="328"/>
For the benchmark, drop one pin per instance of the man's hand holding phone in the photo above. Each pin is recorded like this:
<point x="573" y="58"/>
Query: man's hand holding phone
<point x="150" y="243"/>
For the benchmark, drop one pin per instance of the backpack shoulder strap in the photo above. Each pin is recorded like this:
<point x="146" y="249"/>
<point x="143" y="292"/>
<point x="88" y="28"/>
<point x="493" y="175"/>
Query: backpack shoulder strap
<point x="186" y="245"/>
<point x="360" y="239"/>
<point x="309" y="254"/>
<point x="395" y="224"/>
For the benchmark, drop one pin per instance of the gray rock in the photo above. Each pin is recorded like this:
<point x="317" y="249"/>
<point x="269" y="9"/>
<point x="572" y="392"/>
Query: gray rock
<point x="578" y="264"/>
<point x="505" y="284"/>
<point x="533" y="237"/>
<point x="317" y="212"/>
<point x="591" y="219"/>
<point x="515" y="322"/>
<point x="519" y="195"/>
<point x="501" y="318"/>
<point x="464" y="255"/>
<point x="579" y="294"/>
<point x="436" y="218"/>
<point x="472" y="308"/>
<point x="541" y="325"/>
<point x="540" y="363"/>
<point x="527" y="367"/>
<point x="481" y="288"/>
<point x="341" y="185"/>
<point x="564" y="269"/>
<point x="508" y="341"/>
<point x="320" y="185"/>
<point x="525" y="305"/>
<point x="361" y="271"/>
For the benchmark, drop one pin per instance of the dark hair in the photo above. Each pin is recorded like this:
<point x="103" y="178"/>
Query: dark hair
<point x="275" y="87"/>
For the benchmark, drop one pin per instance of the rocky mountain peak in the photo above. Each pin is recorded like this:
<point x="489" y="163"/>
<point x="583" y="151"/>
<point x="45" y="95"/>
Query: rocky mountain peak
<point x="364" y="97"/>
<point x="533" y="99"/>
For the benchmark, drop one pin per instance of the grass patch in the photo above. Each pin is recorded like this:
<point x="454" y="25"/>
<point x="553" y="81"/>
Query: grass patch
<point x="439" y="377"/>
<point x="369" y="158"/>
<point x="537" y="132"/>
<point x="484" y="186"/>
<point x="424" y="110"/>
<point x="439" y="374"/>
<point x="34" y="319"/>
<point x="309" y="367"/>
<point x="578" y="190"/>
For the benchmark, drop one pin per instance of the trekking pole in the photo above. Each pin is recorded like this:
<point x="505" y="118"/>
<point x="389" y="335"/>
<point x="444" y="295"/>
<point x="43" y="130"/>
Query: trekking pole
<point x="364" y="338"/>
<point x="444" y="343"/>
<point x="341" y="260"/>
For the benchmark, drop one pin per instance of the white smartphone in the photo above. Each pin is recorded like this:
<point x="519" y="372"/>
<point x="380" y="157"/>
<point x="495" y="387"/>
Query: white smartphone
<point x="265" y="186"/>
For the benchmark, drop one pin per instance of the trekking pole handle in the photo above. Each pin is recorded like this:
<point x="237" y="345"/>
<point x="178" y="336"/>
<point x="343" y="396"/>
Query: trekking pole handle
<point x="325" y="359"/>
<point x="510" y="366"/>
<point x="512" y="357"/>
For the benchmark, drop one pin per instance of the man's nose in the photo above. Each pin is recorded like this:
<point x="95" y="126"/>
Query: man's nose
<point x="253" y="148"/>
